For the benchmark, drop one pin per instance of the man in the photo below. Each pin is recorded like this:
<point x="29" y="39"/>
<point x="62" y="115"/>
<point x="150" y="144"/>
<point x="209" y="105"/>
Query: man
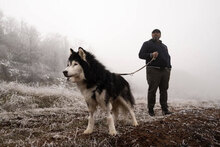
<point x="158" y="71"/>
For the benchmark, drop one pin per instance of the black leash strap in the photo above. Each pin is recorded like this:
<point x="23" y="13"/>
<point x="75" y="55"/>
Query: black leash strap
<point x="123" y="74"/>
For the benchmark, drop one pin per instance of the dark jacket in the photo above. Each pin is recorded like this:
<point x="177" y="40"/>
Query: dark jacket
<point x="163" y="59"/>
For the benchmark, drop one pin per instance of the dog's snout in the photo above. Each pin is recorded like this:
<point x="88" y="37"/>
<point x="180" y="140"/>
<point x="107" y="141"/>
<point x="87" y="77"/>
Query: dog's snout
<point x="65" y="73"/>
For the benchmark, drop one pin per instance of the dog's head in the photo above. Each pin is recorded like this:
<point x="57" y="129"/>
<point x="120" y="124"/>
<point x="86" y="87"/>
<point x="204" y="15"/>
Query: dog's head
<point x="77" y="60"/>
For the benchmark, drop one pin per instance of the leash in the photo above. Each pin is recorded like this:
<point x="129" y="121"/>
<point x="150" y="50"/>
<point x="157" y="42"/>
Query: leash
<point x="124" y="74"/>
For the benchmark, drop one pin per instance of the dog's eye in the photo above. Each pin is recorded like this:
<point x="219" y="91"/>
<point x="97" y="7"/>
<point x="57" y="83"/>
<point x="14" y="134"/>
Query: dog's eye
<point x="75" y="64"/>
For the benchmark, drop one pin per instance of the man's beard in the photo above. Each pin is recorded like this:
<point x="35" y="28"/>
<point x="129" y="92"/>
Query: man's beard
<point x="156" y="38"/>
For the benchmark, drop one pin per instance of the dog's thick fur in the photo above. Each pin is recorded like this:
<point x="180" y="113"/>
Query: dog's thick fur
<point x="99" y="87"/>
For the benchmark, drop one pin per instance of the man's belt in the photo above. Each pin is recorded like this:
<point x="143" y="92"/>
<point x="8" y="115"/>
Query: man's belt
<point x="161" y="68"/>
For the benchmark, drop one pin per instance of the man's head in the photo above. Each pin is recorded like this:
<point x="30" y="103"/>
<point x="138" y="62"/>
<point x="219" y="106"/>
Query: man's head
<point x="156" y="34"/>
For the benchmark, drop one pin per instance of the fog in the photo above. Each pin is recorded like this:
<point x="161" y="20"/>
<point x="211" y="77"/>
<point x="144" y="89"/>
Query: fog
<point x="115" y="30"/>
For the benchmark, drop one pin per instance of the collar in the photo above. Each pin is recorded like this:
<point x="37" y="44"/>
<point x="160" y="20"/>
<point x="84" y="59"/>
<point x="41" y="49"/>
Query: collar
<point x="160" y="41"/>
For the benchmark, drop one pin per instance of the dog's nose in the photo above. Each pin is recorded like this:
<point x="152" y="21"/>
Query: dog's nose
<point x="65" y="73"/>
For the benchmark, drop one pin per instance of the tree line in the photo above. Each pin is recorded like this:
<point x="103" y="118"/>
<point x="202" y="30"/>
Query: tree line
<point x="24" y="49"/>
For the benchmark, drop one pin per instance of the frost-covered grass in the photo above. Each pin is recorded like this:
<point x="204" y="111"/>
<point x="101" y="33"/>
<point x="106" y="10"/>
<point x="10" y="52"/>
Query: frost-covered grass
<point x="16" y="96"/>
<point x="57" y="115"/>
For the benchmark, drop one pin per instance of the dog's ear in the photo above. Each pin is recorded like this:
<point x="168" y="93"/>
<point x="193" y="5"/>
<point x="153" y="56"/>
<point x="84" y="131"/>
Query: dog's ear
<point x="72" y="51"/>
<point x="82" y="53"/>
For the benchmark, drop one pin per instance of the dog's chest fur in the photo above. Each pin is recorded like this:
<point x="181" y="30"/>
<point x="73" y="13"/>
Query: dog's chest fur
<point x="88" y="94"/>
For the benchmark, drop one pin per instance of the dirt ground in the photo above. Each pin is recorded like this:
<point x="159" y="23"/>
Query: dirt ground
<point x="64" y="127"/>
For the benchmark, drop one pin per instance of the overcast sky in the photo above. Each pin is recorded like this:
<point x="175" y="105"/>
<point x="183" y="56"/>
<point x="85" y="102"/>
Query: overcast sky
<point x="114" y="30"/>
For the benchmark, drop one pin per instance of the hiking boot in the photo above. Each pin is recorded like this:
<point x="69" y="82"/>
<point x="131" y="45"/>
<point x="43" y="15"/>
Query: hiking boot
<point x="166" y="112"/>
<point x="151" y="112"/>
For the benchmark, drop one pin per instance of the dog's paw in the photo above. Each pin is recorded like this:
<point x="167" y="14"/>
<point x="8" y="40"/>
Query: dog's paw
<point x="113" y="133"/>
<point x="87" y="131"/>
<point x="135" y="124"/>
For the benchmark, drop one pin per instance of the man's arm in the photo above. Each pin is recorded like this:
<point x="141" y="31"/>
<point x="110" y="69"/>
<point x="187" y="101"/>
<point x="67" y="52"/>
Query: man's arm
<point x="144" y="52"/>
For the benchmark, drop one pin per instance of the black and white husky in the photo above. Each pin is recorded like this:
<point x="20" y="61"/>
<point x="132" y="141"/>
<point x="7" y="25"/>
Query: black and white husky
<point x="99" y="87"/>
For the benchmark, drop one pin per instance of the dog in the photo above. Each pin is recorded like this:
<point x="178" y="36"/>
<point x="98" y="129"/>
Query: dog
<point x="99" y="87"/>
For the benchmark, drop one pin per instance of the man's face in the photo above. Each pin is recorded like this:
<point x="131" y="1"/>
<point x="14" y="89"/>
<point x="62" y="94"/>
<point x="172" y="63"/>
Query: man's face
<point x="156" y="35"/>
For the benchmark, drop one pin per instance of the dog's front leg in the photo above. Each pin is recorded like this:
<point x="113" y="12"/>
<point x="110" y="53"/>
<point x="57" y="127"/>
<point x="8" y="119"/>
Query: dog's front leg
<point x="91" y="120"/>
<point x="115" y="112"/>
<point x="110" y="121"/>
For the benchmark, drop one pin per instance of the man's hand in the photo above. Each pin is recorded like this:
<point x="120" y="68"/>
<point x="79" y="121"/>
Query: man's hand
<point x="155" y="54"/>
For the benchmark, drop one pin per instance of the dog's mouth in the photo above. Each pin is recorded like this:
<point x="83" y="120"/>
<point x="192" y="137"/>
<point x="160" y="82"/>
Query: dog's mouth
<point x="65" y="73"/>
<point x="68" y="77"/>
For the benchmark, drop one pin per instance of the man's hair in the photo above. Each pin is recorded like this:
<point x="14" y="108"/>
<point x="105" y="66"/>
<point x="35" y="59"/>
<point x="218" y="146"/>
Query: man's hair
<point x="156" y="31"/>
